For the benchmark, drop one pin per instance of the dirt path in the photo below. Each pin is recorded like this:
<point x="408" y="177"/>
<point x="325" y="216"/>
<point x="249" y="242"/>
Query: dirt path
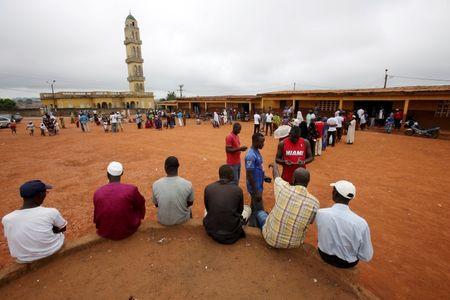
<point x="403" y="188"/>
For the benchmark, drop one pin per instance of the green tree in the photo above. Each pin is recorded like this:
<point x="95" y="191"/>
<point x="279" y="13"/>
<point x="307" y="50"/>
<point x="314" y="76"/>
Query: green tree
<point x="7" y="104"/>
<point x="171" y="96"/>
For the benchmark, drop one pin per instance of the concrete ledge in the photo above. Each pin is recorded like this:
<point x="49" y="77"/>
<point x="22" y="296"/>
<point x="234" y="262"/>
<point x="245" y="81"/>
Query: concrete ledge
<point x="345" y="277"/>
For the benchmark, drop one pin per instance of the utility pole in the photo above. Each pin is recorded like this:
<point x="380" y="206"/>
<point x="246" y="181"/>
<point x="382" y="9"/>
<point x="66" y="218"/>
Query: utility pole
<point x="52" y="83"/>
<point x="385" y="77"/>
<point x="181" y="90"/>
<point x="294" y="86"/>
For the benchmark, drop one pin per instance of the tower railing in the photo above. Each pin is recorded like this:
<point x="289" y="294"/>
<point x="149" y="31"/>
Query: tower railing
<point x="132" y="41"/>
<point x="134" y="59"/>
<point x="136" y="78"/>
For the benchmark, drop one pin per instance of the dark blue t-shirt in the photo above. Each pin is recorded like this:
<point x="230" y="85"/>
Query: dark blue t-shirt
<point x="254" y="163"/>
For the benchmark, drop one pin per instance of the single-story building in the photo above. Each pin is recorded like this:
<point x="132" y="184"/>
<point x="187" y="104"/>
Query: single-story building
<point x="430" y="105"/>
<point x="202" y="104"/>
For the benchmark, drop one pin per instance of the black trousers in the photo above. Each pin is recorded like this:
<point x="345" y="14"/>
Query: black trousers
<point x="269" y="126"/>
<point x="256" y="128"/>
<point x="333" y="138"/>
<point x="336" y="261"/>
<point x="312" y="143"/>
<point x="339" y="133"/>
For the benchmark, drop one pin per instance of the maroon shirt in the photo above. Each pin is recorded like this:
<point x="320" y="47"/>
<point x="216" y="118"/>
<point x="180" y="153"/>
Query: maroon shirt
<point x="319" y="127"/>
<point x="118" y="210"/>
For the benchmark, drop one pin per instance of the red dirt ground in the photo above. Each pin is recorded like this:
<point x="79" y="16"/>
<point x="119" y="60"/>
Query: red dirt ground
<point x="186" y="265"/>
<point x="403" y="188"/>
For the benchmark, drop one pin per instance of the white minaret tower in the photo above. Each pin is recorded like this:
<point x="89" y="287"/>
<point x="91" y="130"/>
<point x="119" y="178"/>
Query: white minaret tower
<point x="134" y="59"/>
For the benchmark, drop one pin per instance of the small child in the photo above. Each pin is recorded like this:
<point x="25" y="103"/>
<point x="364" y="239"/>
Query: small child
<point x="63" y="123"/>
<point x="56" y="127"/>
<point x="13" y="126"/>
<point x="30" y="128"/>
<point x="42" y="127"/>
<point x="105" y="125"/>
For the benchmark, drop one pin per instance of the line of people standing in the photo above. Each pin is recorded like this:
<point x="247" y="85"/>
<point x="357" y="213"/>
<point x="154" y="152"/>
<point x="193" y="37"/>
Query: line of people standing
<point x="295" y="208"/>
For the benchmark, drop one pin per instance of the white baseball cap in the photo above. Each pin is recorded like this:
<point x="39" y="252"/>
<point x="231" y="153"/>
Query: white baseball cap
<point x="282" y="131"/>
<point x="115" y="168"/>
<point x="345" y="188"/>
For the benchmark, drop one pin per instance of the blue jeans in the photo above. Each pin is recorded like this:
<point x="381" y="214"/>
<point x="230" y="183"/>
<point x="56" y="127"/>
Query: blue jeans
<point x="261" y="217"/>
<point x="236" y="173"/>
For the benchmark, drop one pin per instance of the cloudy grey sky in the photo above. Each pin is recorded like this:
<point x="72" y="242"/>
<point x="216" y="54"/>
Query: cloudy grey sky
<point x="223" y="47"/>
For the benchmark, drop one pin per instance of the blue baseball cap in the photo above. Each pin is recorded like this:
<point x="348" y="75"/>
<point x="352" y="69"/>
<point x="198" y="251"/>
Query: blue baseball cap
<point x="30" y="188"/>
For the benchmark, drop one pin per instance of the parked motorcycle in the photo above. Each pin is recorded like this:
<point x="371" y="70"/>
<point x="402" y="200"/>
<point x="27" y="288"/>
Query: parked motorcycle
<point x="413" y="128"/>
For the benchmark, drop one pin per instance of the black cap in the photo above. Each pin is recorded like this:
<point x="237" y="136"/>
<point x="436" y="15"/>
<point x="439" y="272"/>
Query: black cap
<point x="30" y="188"/>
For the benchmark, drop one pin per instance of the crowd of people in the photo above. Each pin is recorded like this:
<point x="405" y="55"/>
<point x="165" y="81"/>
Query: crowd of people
<point x="113" y="122"/>
<point x="34" y="231"/>
<point x="320" y="131"/>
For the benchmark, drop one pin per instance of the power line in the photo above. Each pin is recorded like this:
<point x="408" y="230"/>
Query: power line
<point x="419" y="78"/>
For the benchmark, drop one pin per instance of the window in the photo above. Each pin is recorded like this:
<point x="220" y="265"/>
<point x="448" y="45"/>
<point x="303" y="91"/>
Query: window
<point x="443" y="109"/>
<point x="328" y="105"/>
<point x="136" y="71"/>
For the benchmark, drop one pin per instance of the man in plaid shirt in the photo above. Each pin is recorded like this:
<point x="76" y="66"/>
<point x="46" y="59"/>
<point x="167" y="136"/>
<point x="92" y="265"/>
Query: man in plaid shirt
<point x="295" y="208"/>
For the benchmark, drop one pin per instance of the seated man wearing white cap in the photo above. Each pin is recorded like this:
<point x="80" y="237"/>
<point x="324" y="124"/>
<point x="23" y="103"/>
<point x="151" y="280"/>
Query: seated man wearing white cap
<point x="33" y="231"/>
<point x="118" y="207"/>
<point x="343" y="236"/>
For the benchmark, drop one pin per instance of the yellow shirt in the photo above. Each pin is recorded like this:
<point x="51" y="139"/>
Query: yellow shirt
<point x="294" y="209"/>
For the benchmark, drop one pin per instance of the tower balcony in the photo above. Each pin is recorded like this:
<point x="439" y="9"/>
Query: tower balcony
<point x="135" y="78"/>
<point x="134" y="59"/>
<point x="132" y="41"/>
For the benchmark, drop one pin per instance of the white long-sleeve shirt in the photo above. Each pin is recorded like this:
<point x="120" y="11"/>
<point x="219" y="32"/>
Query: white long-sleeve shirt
<point x="343" y="233"/>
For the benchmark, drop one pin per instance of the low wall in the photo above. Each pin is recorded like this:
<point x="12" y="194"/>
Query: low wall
<point x="345" y="277"/>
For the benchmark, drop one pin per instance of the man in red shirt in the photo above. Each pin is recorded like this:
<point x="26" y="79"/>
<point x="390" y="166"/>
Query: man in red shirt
<point x="398" y="116"/>
<point x="319" y="127"/>
<point x="233" y="149"/>
<point x="293" y="152"/>
<point x="118" y="207"/>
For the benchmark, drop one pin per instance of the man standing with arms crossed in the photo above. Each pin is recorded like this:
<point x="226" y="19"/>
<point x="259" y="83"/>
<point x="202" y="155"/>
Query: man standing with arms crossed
<point x="293" y="152"/>
<point x="233" y="150"/>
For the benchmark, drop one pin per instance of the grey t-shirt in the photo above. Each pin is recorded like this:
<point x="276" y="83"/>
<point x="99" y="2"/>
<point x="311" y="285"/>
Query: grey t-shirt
<point x="172" y="194"/>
